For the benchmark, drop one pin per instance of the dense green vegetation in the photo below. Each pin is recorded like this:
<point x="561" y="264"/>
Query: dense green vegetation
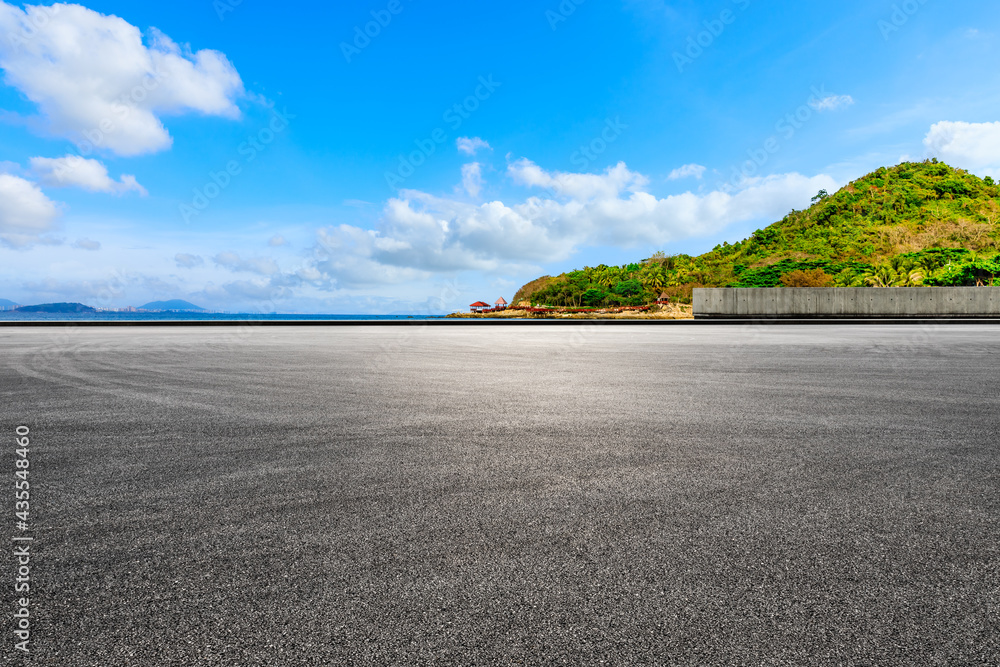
<point x="913" y="224"/>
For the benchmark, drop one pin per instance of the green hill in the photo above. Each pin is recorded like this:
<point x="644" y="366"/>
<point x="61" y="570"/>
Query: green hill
<point x="58" y="308"/>
<point x="913" y="224"/>
<point x="174" y="304"/>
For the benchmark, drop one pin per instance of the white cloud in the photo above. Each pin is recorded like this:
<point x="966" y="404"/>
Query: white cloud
<point x="472" y="178"/>
<point x="75" y="171"/>
<point x="87" y="244"/>
<point x="420" y="234"/>
<point x="98" y="84"/>
<point x="469" y="145"/>
<point x="186" y="261"/>
<point x="832" y="103"/>
<point x="973" y="146"/>
<point x="578" y="186"/>
<point x="687" y="171"/>
<point x="260" y="265"/>
<point x="348" y="256"/>
<point x="25" y="212"/>
<point x="277" y="241"/>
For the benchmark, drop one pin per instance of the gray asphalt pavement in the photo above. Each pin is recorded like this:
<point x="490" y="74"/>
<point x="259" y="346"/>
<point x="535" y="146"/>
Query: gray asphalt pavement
<point x="740" y="495"/>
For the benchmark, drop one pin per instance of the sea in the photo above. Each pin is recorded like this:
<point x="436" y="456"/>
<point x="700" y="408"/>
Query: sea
<point x="102" y="316"/>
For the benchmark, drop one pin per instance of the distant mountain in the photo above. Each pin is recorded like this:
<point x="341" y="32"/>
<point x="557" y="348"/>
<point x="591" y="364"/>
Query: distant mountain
<point x="174" y="304"/>
<point x="57" y="308"/>
<point x="4" y="303"/>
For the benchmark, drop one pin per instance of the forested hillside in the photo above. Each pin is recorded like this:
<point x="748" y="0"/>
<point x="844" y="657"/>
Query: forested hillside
<point x="913" y="224"/>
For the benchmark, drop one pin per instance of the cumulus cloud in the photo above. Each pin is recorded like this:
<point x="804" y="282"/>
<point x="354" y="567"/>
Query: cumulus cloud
<point x="186" y="261"/>
<point x="472" y="178"/>
<point x="96" y="81"/>
<point x="831" y="103"/>
<point x="470" y="145"/>
<point x="87" y="244"/>
<point x="260" y="265"/>
<point x="420" y="234"/>
<point x="583" y="187"/>
<point x="348" y="256"/>
<point x="25" y="212"/>
<point x="687" y="171"/>
<point x="967" y="145"/>
<point x="75" y="171"/>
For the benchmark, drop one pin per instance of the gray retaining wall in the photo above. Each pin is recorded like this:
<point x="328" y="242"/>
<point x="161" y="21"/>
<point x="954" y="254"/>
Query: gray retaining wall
<point x="859" y="302"/>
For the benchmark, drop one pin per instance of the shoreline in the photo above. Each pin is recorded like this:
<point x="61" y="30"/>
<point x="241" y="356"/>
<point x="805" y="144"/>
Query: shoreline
<point x="672" y="312"/>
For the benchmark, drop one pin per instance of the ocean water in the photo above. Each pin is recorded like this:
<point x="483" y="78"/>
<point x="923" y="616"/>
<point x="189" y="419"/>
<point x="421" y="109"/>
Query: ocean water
<point x="15" y="316"/>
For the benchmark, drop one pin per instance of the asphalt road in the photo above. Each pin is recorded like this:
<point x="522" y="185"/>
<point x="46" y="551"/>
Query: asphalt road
<point x="792" y="495"/>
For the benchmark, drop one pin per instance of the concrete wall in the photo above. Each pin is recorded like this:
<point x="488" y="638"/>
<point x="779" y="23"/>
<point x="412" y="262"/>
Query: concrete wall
<point x="809" y="302"/>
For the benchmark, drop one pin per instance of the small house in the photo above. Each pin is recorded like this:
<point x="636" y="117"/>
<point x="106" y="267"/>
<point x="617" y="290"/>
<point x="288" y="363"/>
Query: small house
<point x="479" y="306"/>
<point x="501" y="304"/>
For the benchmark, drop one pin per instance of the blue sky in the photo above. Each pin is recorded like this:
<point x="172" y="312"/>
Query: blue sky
<point x="263" y="157"/>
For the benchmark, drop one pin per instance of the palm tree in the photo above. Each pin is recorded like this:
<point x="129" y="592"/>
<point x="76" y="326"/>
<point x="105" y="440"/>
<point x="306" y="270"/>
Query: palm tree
<point x="882" y="275"/>
<point x="654" y="279"/>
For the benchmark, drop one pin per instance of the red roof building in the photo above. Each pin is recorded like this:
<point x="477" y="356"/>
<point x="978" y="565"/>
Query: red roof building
<point x="501" y="303"/>
<point x="479" y="305"/>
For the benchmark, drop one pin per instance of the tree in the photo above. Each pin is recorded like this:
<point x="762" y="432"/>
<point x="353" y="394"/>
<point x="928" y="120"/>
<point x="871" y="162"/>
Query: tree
<point x="658" y="256"/>
<point x="628" y="288"/>
<point x="607" y="276"/>
<point x="594" y="297"/>
<point x="812" y="278"/>
<point x="820" y="196"/>
<point x="654" y="279"/>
